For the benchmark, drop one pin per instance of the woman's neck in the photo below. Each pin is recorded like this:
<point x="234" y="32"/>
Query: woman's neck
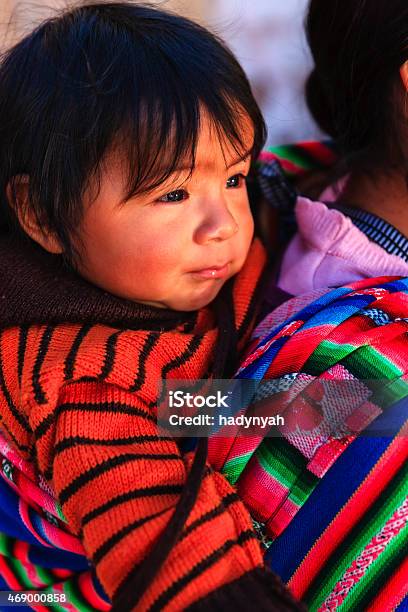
<point x="385" y="195"/>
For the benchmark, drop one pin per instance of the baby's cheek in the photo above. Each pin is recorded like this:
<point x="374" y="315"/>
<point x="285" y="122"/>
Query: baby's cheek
<point x="158" y="255"/>
<point x="155" y="265"/>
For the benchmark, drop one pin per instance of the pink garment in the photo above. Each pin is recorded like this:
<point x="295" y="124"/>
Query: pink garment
<point x="329" y="251"/>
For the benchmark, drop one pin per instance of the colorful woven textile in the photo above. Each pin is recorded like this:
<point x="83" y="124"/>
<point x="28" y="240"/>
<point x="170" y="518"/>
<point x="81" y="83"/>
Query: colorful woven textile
<point x="277" y="167"/>
<point x="333" y="503"/>
<point x="300" y="158"/>
<point x="34" y="541"/>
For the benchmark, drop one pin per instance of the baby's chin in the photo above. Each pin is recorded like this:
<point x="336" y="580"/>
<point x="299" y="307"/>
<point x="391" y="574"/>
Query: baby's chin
<point x="202" y="297"/>
<point x="193" y="303"/>
<point x="196" y="300"/>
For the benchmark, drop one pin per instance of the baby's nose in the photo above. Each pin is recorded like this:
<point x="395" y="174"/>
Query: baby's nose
<point x="219" y="224"/>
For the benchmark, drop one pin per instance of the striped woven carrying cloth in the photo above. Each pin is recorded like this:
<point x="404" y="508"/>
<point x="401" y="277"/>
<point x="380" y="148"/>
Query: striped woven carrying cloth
<point x="300" y="158"/>
<point x="34" y="542"/>
<point x="333" y="503"/>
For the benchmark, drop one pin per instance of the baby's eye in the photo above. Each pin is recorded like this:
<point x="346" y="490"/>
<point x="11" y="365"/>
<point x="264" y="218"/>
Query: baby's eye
<point x="235" y="181"/>
<point x="174" y="196"/>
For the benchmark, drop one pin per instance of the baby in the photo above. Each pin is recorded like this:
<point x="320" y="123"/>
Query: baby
<point x="127" y="258"/>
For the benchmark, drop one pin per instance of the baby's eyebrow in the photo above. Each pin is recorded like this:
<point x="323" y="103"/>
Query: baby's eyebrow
<point x="238" y="160"/>
<point x="234" y="162"/>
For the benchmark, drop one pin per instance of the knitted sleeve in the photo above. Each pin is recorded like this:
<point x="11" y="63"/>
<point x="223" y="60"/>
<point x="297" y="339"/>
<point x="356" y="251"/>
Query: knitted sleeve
<point x="118" y="484"/>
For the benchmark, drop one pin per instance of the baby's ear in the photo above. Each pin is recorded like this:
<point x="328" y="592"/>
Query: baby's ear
<point x="17" y="195"/>
<point x="404" y="75"/>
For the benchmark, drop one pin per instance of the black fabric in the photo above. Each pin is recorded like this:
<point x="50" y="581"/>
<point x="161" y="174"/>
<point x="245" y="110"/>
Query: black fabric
<point x="259" y="590"/>
<point x="36" y="288"/>
<point x="273" y="297"/>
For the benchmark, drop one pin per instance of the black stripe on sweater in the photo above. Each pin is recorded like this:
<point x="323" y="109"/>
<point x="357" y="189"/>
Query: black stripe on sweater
<point x="144" y="492"/>
<point x="149" y="344"/>
<point x="124" y="497"/>
<point x="122" y="533"/>
<point x="110" y="354"/>
<point x="22" y="343"/>
<point x="178" y="361"/>
<point x="177" y="586"/>
<point x="20" y="418"/>
<point x="86" y="441"/>
<point x="211" y="514"/>
<point x="181" y="359"/>
<point x="44" y="426"/>
<point x="70" y="360"/>
<point x="22" y="447"/>
<point x="108" y="407"/>
<point x="39" y="394"/>
<point x="107" y="465"/>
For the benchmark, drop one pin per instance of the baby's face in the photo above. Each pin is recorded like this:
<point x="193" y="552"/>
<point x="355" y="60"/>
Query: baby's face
<point x="176" y="246"/>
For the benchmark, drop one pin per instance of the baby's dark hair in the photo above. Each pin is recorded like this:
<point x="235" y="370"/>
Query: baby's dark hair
<point x="106" y="76"/>
<point x="354" y="91"/>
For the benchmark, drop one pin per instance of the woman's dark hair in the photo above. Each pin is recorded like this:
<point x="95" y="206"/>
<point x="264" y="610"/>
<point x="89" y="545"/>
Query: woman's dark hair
<point x="354" y="91"/>
<point x="108" y="75"/>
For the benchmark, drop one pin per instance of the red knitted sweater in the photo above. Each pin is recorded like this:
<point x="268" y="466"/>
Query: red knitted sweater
<point x="79" y="399"/>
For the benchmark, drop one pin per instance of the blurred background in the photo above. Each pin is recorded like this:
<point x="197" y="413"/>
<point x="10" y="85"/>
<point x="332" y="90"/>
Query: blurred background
<point x="266" y="36"/>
